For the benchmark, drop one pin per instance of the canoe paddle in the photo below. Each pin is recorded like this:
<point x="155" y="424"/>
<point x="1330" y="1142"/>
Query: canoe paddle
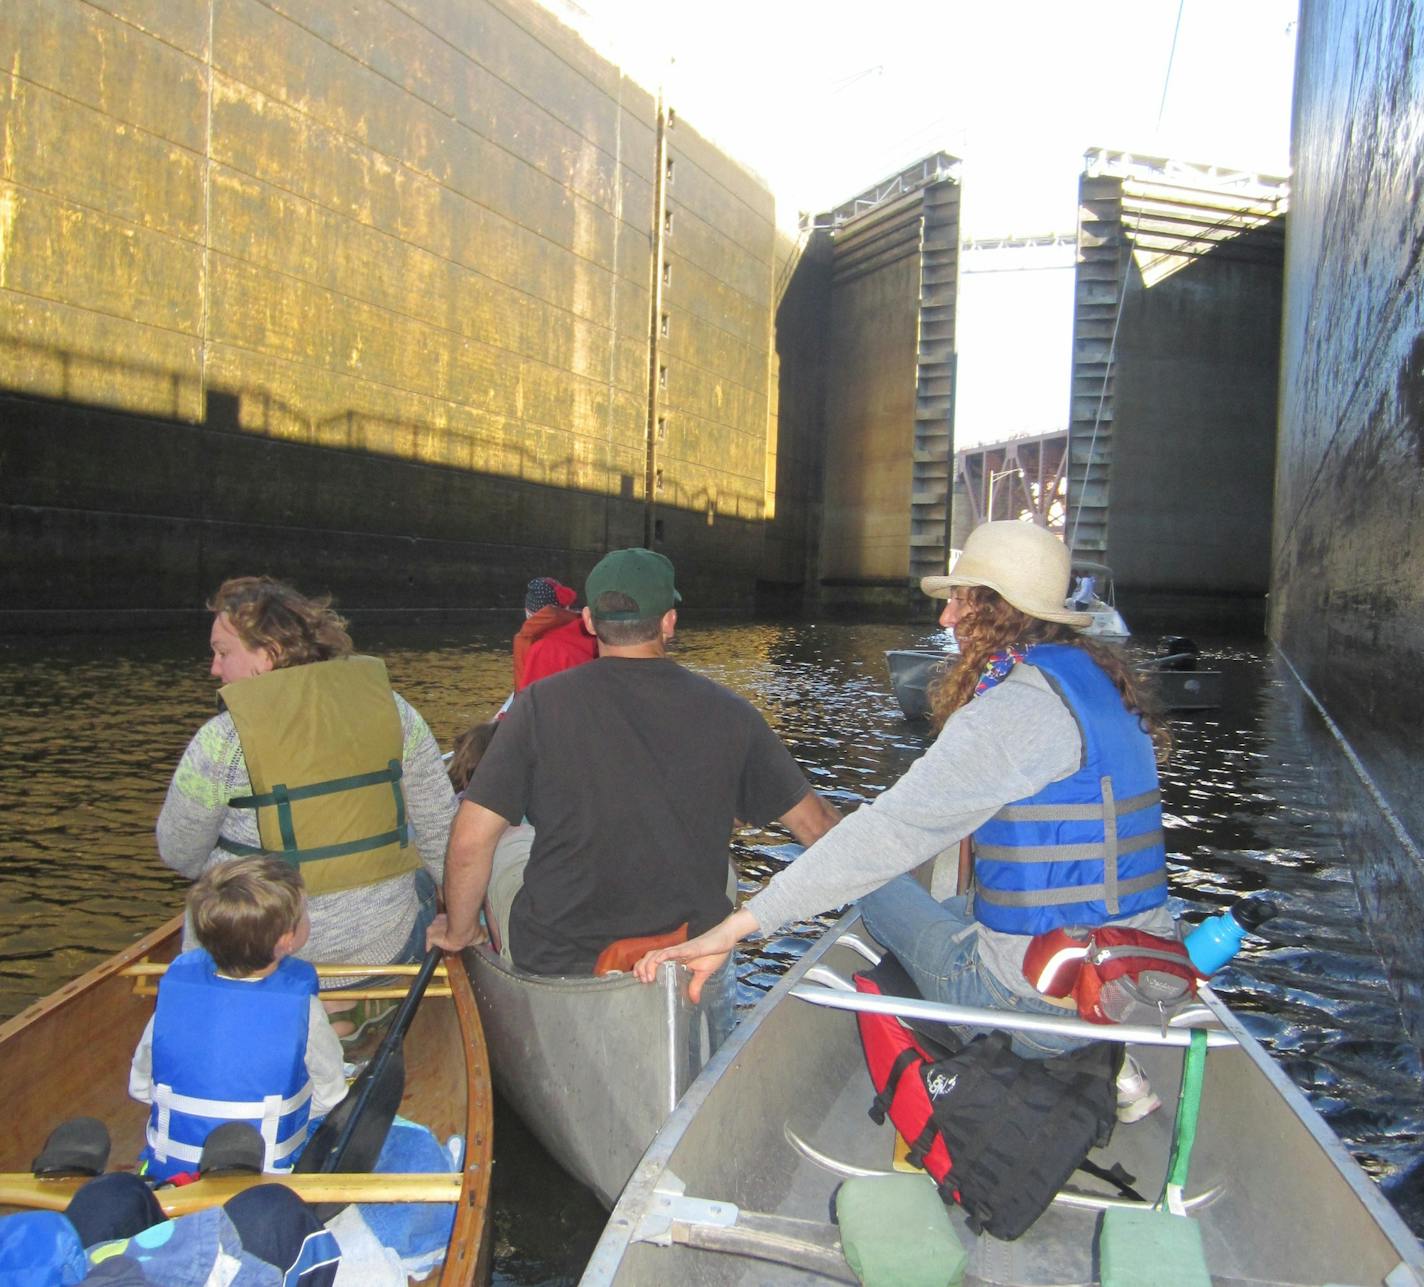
<point x="351" y="1137"/>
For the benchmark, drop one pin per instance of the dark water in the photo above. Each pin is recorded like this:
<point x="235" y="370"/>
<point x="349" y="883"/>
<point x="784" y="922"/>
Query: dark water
<point x="91" y="730"/>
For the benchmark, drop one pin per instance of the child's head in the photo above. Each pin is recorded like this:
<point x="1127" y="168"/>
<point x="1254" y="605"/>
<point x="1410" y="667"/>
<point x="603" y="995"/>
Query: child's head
<point x="248" y="913"/>
<point x="469" y="749"/>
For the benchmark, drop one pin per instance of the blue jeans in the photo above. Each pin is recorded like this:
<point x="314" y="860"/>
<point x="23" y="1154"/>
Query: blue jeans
<point x="414" y="949"/>
<point x="937" y="944"/>
<point x="719" y="1004"/>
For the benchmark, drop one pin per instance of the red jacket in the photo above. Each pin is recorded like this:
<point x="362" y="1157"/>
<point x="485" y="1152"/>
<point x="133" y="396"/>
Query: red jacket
<point x="558" y="649"/>
<point x="534" y="628"/>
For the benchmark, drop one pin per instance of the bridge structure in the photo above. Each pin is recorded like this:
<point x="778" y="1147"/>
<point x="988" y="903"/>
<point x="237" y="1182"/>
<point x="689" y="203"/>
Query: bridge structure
<point x="1020" y="477"/>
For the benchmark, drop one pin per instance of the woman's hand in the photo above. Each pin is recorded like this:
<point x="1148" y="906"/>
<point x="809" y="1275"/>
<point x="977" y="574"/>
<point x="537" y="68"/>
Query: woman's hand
<point x="702" y="955"/>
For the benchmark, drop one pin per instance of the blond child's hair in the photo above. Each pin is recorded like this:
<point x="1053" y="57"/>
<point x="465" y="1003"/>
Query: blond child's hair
<point x="240" y="909"/>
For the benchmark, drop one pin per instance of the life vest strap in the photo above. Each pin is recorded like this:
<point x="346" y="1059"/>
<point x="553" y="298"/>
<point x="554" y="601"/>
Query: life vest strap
<point x="1075" y="894"/>
<point x="909" y="1055"/>
<point x="1076" y="812"/>
<point x="268" y="1112"/>
<point x="1098" y="851"/>
<point x="275" y="797"/>
<point x="281" y="798"/>
<point x="231" y="1109"/>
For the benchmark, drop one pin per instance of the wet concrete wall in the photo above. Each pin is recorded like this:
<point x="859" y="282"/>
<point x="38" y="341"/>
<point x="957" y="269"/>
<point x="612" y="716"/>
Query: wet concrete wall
<point x="361" y="296"/>
<point x="1347" y="591"/>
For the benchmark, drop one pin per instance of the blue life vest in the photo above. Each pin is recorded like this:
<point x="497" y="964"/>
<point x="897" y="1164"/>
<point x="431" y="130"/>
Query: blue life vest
<point x="1087" y="849"/>
<point x="229" y="1050"/>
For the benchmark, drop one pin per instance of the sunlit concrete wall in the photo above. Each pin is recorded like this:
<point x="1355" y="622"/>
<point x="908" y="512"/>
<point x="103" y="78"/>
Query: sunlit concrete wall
<point x="1347" y="587"/>
<point x="361" y="296"/>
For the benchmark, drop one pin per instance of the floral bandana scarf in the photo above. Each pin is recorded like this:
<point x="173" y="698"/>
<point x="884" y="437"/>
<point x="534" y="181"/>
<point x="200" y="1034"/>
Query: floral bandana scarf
<point x="997" y="668"/>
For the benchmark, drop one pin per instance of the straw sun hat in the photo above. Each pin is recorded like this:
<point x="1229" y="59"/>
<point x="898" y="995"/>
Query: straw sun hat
<point x="1026" y="565"/>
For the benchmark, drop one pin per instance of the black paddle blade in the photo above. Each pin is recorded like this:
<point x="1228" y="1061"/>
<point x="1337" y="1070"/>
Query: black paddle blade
<point x="382" y="1089"/>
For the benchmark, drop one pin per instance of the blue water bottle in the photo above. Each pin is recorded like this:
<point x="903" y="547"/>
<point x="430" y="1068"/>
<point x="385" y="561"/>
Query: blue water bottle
<point x="1218" y="938"/>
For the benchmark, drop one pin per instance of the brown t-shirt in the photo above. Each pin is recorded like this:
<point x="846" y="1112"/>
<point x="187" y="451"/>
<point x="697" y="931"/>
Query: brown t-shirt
<point x="632" y="771"/>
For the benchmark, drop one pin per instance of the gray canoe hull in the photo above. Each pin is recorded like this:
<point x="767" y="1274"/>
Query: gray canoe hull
<point x="740" y="1180"/>
<point x="592" y="1066"/>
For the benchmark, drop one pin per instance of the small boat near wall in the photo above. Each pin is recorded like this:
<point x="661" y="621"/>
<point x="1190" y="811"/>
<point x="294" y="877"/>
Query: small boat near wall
<point x="68" y="1055"/>
<point x="914" y="670"/>
<point x="737" y="1186"/>
<point x="593" y="1066"/>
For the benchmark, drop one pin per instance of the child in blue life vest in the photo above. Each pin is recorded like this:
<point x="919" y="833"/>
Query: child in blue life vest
<point x="238" y="1032"/>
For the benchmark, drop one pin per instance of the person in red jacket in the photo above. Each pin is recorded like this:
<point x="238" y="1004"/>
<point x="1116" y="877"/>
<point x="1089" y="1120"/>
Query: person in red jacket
<point x="553" y="637"/>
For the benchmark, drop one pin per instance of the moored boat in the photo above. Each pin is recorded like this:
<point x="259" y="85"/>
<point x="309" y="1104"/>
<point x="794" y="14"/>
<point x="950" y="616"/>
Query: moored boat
<point x="68" y="1055"/>
<point x="593" y="1066"/>
<point x="737" y="1186"/>
<point x="1095" y="594"/>
<point x="913" y="670"/>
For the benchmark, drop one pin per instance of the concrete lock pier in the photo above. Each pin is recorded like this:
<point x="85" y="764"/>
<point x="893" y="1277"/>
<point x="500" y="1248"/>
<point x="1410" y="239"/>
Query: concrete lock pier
<point x="413" y="304"/>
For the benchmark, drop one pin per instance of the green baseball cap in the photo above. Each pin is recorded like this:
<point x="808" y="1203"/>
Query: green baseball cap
<point x="645" y="576"/>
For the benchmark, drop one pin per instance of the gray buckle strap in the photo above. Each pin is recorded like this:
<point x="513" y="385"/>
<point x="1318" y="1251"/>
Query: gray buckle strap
<point x="1068" y="853"/>
<point x="1075" y="812"/>
<point x="1073" y="894"/>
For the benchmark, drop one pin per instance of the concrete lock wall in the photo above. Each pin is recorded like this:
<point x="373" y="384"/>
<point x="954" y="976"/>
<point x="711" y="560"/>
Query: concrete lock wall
<point x="1347" y="590"/>
<point x="870" y="409"/>
<point x="1194" y="443"/>
<point x="362" y="298"/>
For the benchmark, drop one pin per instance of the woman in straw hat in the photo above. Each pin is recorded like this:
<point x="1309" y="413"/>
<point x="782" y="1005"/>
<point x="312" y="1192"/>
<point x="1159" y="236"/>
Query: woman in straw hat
<point x="1045" y="756"/>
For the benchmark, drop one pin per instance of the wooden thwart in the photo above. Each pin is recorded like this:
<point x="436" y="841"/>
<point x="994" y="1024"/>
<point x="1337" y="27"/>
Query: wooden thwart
<point x="145" y="970"/>
<point x="21" y="1190"/>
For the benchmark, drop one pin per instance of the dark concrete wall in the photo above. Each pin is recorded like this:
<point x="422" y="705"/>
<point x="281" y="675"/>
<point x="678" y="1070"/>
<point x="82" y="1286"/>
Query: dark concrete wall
<point x="1194" y="438"/>
<point x="360" y="296"/>
<point x="1347" y="593"/>
<point x="796" y="438"/>
<point x="870" y="406"/>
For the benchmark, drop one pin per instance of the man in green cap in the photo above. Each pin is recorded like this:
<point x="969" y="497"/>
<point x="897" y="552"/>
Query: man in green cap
<point x="633" y="771"/>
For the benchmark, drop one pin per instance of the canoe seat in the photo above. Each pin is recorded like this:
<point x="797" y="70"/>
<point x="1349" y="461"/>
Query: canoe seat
<point x="623" y="954"/>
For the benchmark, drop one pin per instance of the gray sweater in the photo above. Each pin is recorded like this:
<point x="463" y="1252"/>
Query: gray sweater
<point x="371" y="923"/>
<point x="1006" y="744"/>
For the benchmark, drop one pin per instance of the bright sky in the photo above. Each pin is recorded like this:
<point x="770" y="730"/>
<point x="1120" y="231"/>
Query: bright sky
<point x="824" y="99"/>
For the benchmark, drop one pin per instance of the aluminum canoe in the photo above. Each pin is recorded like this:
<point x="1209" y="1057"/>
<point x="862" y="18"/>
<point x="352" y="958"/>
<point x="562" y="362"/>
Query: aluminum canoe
<point x="68" y="1056"/>
<point x="737" y="1186"/>
<point x="593" y="1066"/>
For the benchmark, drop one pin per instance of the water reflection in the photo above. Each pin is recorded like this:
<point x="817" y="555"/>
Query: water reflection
<point x="93" y="730"/>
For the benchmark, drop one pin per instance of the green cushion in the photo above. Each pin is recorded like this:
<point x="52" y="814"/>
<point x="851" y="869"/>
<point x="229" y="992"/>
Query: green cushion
<point x="1154" y="1247"/>
<point x="896" y="1233"/>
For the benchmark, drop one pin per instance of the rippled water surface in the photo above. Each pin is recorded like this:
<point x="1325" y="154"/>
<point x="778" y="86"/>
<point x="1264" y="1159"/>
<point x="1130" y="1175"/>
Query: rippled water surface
<point x="93" y="727"/>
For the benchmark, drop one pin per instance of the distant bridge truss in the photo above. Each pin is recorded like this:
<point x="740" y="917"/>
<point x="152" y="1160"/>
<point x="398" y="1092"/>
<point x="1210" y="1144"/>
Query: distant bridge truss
<point x="1023" y="477"/>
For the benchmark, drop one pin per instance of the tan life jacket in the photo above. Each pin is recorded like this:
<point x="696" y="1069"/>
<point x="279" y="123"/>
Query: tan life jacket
<point x="323" y="746"/>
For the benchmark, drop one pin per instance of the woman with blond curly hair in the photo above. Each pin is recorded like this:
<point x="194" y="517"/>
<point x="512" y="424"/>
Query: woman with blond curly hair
<point x="313" y="757"/>
<point x="1044" y="755"/>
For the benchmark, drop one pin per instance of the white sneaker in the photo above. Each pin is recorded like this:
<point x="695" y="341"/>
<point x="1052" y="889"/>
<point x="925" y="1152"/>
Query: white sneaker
<point x="1135" y="1096"/>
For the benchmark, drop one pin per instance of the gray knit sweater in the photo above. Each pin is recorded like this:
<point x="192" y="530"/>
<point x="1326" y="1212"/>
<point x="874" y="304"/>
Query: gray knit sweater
<point x="371" y="923"/>
<point x="1006" y="744"/>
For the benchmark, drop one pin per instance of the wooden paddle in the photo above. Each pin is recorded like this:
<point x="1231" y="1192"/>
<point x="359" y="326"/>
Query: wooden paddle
<point x="351" y="1137"/>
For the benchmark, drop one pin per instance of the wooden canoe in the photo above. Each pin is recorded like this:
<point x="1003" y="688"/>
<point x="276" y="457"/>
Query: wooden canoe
<point x="737" y="1186"/>
<point x="68" y="1056"/>
<point x="593" y="1066"/>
